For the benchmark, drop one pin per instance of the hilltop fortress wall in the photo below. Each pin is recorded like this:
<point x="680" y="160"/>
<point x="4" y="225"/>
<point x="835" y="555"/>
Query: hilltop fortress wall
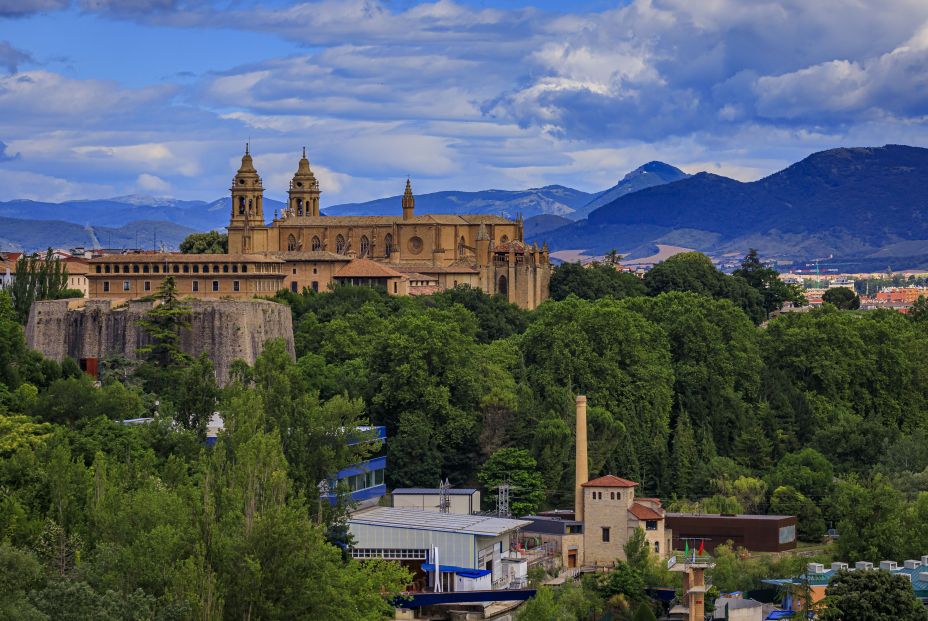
<point x="226" y="330"/>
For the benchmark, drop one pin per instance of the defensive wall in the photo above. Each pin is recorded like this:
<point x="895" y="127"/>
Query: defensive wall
<point x="226" y="330"/>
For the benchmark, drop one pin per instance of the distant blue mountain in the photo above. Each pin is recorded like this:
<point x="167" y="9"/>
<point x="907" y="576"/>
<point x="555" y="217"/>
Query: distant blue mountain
<point x="555" y="200"/>
<point x="37" y="235"/>
<point x="198" y="215"/>
<point x="647" y="176"/>
<point x="849" y="202"/>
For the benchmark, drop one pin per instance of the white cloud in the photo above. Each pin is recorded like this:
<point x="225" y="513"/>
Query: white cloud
<point x="467" y="98"/>
<point x="152" y="183"/>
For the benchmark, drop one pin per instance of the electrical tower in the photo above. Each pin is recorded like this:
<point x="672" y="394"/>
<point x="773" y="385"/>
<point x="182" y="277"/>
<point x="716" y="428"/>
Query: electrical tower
<point x="502" y="501"/>
<point x="444" y="499"/>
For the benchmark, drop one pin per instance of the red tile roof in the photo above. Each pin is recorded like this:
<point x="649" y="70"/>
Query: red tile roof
<point x="609" y="481"/>
<point x="643" y="512"/>
<point x="365" y="268"/>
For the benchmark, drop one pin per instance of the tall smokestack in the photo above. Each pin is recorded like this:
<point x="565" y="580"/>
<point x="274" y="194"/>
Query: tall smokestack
<point x="582" y="467"/>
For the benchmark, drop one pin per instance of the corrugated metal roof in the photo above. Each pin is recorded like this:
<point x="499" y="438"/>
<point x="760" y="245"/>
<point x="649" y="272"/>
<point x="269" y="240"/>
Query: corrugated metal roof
<point x="430" y="520"/>
<point x="455" y="491"/>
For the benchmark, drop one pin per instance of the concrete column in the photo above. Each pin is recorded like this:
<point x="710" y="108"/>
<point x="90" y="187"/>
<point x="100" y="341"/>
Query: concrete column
<point x="582" y="465"/>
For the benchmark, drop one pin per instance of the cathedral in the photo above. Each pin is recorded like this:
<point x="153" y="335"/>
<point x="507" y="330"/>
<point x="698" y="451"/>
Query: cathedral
<point x="410" y="254"/>
<point x="405" y="254"/>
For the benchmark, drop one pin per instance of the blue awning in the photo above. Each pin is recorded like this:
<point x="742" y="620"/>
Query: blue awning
<point x="464" y="572"/>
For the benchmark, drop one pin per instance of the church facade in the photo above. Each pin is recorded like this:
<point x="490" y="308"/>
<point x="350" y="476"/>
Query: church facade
<point x="408" y="253"/>
<point x="405" y="254"/>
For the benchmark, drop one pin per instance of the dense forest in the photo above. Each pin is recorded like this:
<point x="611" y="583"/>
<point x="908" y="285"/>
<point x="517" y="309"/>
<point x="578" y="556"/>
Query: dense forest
<point x="695" y="388"/>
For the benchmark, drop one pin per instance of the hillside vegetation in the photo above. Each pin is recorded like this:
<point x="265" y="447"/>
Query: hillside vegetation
<point x="693" y="393"/>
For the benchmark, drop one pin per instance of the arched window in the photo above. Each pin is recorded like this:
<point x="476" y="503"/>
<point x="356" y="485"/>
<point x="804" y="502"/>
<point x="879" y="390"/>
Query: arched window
<point x="291" y="243"/>
<point x="241" y="205"/>
<point x="462" y="248"/>
<point x="388" y="244"/>
<point x="316" y="244"/>
<point x="299" y="206"/>
<point x="339" y="244"/>
<point x="504" y="239"/>
<point x="365" y="246"/>
<point x="503" y="288"/>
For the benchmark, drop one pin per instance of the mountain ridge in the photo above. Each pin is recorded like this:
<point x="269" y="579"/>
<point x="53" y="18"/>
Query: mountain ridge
<point x="846" y="201"/>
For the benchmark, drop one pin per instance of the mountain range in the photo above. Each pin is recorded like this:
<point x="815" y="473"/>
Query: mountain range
<point x="868" y="204"/>
<point x="543" y="208"/>
<point x="847" y="202"/>
<point x="554" y="200"/>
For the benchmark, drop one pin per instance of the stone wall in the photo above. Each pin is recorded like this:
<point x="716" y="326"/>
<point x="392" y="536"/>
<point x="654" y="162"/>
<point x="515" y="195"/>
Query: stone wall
<point x="226" y="330"/>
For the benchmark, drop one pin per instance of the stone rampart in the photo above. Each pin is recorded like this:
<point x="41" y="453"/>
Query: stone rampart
<point x="226" y="330"/>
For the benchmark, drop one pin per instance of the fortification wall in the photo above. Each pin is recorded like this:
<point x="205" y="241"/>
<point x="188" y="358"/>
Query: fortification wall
<point x="226" y="330"/>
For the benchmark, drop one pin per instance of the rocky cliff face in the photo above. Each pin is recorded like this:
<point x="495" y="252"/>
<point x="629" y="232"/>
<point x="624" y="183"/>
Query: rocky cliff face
<point x="225" y="330"/>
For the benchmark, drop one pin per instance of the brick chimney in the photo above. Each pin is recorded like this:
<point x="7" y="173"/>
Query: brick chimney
<point x="582" y="465"/>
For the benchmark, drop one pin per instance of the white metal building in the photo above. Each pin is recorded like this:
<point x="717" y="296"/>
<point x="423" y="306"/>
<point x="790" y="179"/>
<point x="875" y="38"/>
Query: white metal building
<point x="460" y="500"/>
<point x="465" y="548"/>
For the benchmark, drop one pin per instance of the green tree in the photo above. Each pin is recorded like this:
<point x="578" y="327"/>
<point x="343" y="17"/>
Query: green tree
<point x="20" y="572"/>
<point x="196" y="395"/>
<point x="808" y="471"/>
<point x="593" y="281"/>
<point x="644" y="613"/>
<point x="38" y="279"/>
<point x="413" y="454"/>
<point x="918" y="312"/>
<point x="497" y="318"/>
<point x="786" y="500"/>
<point x="842" y="298"/>
<point x="684" y="458"/>
<point x="874" y="595"/>
<point x="623" y="580"/>
<point x="517" y="468"/>
<point x="766" y="281"/>
<point x="637" y="550"/>
<point x="694" y="272"/>
<point x="205" y="243"/>
<point x="872" y="520"/>
<point x="163" y="326"/>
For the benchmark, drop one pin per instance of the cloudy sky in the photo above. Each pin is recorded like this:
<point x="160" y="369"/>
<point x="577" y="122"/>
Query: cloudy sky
<point x="109" y="97"/>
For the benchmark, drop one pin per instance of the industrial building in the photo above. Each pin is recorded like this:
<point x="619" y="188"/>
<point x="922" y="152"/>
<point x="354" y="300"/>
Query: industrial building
<point x="817" y="577"/>
<point x="444" y="551"/>
<point x="606" y="513"/>
<point x="757" y="533"/>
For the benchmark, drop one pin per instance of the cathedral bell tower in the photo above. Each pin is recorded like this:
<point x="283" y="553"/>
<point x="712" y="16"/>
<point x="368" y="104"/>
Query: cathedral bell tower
<point x="247" y="206"/>
<point x="409" y="202"/>
<point x="304" y="191"/>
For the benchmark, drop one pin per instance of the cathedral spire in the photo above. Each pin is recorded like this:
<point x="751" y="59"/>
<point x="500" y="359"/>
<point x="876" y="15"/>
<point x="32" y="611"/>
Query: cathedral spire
<point x="409" y="202"/>
<point x="248" y="165"/>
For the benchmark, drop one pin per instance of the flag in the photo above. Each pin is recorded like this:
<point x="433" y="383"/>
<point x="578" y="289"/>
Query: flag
<point x="686" y="550"/>
<point x="702" y="546"/>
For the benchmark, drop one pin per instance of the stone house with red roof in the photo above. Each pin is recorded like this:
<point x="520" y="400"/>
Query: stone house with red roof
<point x="611" y="513"/>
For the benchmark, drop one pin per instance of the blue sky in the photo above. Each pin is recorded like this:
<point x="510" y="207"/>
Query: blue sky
<point x="103" y="98"/>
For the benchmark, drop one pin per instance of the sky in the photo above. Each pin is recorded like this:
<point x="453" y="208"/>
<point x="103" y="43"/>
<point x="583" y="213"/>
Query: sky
<point x="102" y="98"/>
